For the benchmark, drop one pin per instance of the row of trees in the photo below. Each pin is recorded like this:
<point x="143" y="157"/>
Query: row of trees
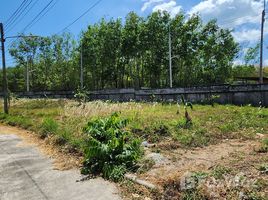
<point x="130" y="54"/>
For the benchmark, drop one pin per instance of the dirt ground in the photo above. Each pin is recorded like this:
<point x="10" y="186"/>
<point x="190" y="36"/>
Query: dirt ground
<point x="241" y="156"/>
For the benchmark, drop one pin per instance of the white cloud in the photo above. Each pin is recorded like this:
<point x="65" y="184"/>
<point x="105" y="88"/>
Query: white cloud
<point x="170" y="6"/>
<point x="236" y="14"/>
<point x="247" y="35"/>
<point x="229" y="13"/>
<point x="148" y="3"/>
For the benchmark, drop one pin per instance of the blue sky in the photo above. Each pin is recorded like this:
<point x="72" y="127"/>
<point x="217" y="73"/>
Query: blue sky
<point x="243" y="16"/>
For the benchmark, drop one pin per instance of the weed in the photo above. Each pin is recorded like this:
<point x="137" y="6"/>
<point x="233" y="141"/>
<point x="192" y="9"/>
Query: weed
<point x="263" y="169"/>
<point x="186" y="113"/>
<point x="110" y="150"/>
<point x="255" y="196"/>
<point x="199" y="175"/>
<point x="264" y="146"/>
<point x="184" y="123"/>
<point x="219" y="172"/>
<point x="194" y="138"/>
<point x="48" y="126"/>
<point x="213" y="99"/>
<point x="227" y="128"/>
<point x="81" y="95"/>
<point x="192" y="194"/>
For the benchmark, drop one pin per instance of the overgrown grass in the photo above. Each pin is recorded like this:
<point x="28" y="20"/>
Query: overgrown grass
<point x="153" y="122"/>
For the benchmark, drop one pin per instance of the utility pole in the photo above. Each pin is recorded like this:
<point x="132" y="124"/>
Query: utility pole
<point x="170" y="58"/>
<point x="5" y="90"/>
<point x="81" y="68"/>
<point x="261" y="46"/>
<point x="27" y="77"/>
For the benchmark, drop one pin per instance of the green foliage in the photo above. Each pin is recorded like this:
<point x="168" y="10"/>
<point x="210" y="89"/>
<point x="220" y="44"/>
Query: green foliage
<point x="110" y="150"/>
<point x="21" y="121"/>
<point x="219" y="171"/>
<point x="188" y="119"/>
<point x="132" y="53"/>
<point x="253" y="55"/>
<point x="213" y="99"/>
<point x="183" y="123"/>
<point x="48" y="126"/>
<point x="194" y="138"/>
<point x="244" y="71"/>
<point x="81" y="95"/>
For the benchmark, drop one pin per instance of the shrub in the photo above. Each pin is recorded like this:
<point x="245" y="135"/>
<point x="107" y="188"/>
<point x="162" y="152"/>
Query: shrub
<point x="48" y="126"/>
<point x="81" y="95"/>
<point x="110" y="150"/>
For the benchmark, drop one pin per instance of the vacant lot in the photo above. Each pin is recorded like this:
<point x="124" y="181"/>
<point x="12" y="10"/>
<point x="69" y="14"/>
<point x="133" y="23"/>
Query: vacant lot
<point x="225" y="146"/>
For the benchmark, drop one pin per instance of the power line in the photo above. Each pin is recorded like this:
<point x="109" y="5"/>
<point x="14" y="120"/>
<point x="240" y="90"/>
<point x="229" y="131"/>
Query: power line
<point x="9" y="29"/>
<point x="89" y="9"/>
<point x="37" y="20"/>
<point x="15" y="13"/>
<point x="19" y="13"/>
<point x="37" y="17"/>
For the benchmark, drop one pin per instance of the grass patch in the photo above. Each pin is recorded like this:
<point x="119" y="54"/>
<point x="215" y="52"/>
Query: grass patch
<point x="20" y="121"/>
<point x="219" y="172"/>
<point x="48" y="127"/>
<point x="153" y="122"/>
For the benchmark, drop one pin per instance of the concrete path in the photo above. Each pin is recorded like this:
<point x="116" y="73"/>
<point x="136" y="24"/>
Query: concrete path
<point x="25" y="174"/>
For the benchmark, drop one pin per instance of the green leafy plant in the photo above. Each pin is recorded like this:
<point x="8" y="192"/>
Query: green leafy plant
<point x="264" y="168"/>
<point x="81" y="95"/>
<point x="186" y="104"/>
<point x="213" y="98"/>
<point x="110" y="150"/>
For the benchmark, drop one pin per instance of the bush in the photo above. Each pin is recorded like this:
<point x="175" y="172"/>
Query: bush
<point x="110" y="150"/>
<point x="48" y="126"/>
<point x="81" y="95"/>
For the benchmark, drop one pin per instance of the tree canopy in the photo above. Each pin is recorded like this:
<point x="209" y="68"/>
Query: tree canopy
<point x="133" y="53"/>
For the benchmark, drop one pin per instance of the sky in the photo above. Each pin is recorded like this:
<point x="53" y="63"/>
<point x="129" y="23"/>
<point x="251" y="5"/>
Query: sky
<point x="242" y="16"/>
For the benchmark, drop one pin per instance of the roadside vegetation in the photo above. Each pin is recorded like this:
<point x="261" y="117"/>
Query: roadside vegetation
<point x="109" y="134"/>
<point x="154" y="122"/>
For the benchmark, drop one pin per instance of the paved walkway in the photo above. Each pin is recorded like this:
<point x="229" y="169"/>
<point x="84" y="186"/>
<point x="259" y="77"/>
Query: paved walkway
<point x="25" y="174"/>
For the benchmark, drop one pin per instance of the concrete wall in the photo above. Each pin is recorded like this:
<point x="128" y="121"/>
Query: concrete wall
<point x="228" y="94"/>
